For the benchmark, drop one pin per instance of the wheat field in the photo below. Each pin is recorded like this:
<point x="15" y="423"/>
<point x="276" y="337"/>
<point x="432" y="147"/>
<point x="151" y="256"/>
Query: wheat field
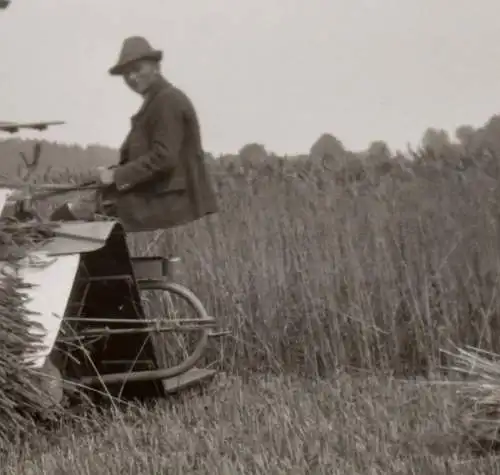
<point x="340" y="287"/>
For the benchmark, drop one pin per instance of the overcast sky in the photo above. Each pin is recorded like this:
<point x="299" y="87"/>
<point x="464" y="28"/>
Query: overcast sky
<point x="278" y="72"/>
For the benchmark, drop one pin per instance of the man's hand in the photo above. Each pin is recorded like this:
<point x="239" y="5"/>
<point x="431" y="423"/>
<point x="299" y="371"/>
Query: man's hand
<point x="105" y="175"/>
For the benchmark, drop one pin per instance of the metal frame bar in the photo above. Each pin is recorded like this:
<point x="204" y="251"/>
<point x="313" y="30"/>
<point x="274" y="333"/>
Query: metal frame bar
<point x="125" y="277"/>
<point x="135" y="376"/>
<point x="130" y="320"/>
<point x="124" y="331"/>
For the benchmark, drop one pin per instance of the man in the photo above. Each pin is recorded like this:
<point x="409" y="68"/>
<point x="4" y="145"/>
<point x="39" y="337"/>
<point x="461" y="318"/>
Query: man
<point x="161" y="180"/>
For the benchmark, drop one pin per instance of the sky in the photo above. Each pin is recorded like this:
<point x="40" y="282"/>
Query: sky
<point x="276" y="72"/>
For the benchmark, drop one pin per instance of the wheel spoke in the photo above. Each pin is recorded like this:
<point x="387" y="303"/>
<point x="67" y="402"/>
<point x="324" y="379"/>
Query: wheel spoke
<point x="170" y="301"/>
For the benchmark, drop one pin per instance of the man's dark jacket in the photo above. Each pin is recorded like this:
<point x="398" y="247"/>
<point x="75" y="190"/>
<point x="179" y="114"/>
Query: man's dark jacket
<point x="161" y="179"/>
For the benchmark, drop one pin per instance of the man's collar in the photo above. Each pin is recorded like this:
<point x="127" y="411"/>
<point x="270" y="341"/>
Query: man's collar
<point x="156" y="87"/>
<point x="159" y="85"/>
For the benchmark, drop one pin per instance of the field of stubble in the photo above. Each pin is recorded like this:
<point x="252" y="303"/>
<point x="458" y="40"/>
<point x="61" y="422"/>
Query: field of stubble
<point x="339" y="296"/>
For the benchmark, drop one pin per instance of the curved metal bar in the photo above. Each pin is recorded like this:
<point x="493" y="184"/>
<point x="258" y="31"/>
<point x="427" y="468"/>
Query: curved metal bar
<point x="165" y="373"/>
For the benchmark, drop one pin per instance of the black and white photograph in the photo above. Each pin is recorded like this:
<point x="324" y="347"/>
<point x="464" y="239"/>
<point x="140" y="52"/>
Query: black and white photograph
<point x="248" y="237"/>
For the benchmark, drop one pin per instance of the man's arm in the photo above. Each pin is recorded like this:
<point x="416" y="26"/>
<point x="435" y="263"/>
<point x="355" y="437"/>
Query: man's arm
<point x="167" y="134"/>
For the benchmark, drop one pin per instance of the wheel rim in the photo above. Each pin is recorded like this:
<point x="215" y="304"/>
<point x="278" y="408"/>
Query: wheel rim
<point x="176" y="349"/>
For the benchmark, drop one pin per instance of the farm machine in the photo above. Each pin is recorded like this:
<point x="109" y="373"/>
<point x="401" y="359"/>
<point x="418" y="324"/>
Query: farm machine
<point x="104" y="313"/>
<point x="105" y="316"/>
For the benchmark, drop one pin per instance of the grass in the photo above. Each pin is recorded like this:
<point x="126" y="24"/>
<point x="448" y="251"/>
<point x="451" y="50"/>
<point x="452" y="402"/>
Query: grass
<point x="19" y="337"/>
<point x="335" y="285"/>
<point x="312" y="274"/>
<point x="267" y="425"/>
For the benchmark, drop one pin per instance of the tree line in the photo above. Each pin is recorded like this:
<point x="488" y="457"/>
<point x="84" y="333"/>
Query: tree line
<point x="437" y="147"/>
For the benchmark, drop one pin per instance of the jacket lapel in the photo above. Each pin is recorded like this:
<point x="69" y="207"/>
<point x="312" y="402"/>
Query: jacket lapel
<point x="156" y="88"/>
<point x="159" y="86"/>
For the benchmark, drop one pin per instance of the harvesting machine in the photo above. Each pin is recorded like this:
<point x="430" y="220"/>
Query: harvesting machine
<point x="102" y="311"/>
<point x="104" y="315"/>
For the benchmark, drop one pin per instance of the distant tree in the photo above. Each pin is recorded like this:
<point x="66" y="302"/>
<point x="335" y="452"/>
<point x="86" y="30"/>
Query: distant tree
<point x="437" y="140"/>
<point x="329" y="151"/>
<point x="488" y="136"/>
<point x="327" y="145"/>
<point x="437" y="147"/>
<point x="465" y="135"/>
<point x="378" y="151"/>
<point x="253" y="152"/>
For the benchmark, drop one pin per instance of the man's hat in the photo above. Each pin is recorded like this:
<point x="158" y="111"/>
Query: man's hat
<point x="134" y="48"/>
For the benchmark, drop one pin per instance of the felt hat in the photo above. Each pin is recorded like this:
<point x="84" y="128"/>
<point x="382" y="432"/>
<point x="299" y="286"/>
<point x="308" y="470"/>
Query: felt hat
<point x="134" y="48"/>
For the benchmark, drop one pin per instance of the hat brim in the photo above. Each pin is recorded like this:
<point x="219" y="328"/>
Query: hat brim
<point x="117" y="69"/>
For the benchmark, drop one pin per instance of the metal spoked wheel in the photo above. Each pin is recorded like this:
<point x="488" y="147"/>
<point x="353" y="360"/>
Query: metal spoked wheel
<point x="177" y="350"/>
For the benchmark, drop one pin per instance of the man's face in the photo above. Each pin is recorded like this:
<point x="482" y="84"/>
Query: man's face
<point x="140" y="74"/>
